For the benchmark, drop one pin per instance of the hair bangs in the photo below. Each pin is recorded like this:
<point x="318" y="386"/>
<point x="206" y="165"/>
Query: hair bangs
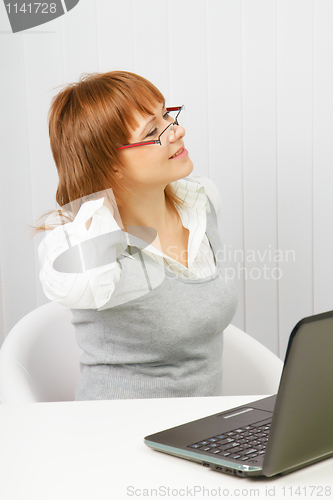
<point x="140" y="96"/>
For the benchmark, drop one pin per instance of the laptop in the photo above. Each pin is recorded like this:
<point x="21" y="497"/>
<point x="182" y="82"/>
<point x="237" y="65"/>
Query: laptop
<point x="276" y="434"/>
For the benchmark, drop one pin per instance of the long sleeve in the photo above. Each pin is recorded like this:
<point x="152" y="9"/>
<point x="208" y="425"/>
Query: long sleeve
<point x="91" y="288"/>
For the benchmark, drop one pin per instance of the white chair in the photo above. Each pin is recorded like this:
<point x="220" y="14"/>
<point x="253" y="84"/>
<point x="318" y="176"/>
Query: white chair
<point x="39" y="360"/>
<point x="248" y="366"/>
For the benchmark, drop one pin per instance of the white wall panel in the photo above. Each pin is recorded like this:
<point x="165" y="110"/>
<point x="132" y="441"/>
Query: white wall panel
<point x="2" y="304"/>
<point x="323" y="156"/>
<point x="4" y="56"/>
<point x="151" y="48"/>
<point x="115" y="35"/>
<point x="16" y="248"/>
<point x="259" y="159"/>
<point x="295" y="134"/>
<point x="41" y="86"/>
<point x="224" y="68"/>
<point x="80" y="40"/>
<point x="188" y="74"/>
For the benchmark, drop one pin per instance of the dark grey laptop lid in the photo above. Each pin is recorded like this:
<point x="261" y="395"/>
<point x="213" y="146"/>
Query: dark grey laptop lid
<point x="301" y="429"/>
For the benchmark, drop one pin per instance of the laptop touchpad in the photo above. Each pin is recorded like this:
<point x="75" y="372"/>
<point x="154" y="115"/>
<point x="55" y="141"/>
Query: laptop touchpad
<point x="245" y="415"/>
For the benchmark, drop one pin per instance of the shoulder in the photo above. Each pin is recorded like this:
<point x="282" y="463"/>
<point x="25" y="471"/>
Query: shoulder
<point x="63" y="225"/>
<point x="199" y="184"/>
<point x="74" y="284"/>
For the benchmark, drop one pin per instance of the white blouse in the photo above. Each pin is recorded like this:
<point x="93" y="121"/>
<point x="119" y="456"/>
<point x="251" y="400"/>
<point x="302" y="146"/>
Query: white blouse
<point x="93" y="288"/>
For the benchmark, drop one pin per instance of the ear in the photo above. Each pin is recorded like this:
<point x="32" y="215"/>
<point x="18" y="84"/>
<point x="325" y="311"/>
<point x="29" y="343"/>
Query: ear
<point x="118" y="173"/>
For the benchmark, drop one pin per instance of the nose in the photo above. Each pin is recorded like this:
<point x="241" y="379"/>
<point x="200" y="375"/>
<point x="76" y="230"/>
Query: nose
<point x="176" y="132"/>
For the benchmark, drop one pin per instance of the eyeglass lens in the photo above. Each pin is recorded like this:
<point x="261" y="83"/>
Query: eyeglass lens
<point x="177" y="117"/>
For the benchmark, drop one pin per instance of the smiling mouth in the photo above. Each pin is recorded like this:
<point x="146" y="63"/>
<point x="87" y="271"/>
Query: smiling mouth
<point x="176" y="154"/>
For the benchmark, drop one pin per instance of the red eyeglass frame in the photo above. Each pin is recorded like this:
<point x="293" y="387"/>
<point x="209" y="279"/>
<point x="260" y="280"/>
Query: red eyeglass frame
<point x="156" y="141"/>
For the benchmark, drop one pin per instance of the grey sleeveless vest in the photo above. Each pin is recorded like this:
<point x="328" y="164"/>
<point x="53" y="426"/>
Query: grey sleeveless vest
<point x="159" y="335"/>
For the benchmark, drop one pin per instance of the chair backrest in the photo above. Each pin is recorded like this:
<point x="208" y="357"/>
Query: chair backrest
<point x="39" y="358"/>
<point x="248" y="366"/>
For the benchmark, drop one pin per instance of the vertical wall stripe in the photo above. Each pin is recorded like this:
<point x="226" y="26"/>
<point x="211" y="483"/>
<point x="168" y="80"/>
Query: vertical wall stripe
<point x="207" y="96"/>
<point x="2" y="305"/>
<point x="295" y="164"/>
<point x="242" y="151"/>
<point x="312" y="153"/>
<point x="259" y="169"/>
<point x="34" y="285"/>
<point x="323" y="155"/>
<point x="278" y="352"/>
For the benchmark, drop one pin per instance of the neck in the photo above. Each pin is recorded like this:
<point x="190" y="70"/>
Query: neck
<point x="148" y="209"/>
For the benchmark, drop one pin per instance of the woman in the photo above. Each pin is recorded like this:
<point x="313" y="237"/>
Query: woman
<point x="134" y="254"/>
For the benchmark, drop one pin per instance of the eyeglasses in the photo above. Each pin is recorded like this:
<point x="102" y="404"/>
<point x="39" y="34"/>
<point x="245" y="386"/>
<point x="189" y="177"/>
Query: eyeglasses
<point x="173" y="115"/>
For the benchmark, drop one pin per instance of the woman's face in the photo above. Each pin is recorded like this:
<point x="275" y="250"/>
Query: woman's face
<point x="154" y="165"/>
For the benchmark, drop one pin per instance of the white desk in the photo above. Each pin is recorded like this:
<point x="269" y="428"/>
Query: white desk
<point x="95" y="451"/>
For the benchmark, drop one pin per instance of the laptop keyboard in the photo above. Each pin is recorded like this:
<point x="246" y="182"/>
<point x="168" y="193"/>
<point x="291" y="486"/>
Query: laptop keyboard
<point x="240" y="444"/>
